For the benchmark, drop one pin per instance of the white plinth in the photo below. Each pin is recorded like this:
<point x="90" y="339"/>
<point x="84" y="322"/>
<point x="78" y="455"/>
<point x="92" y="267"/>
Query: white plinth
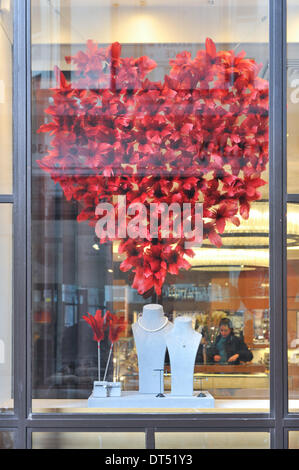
<point x="139" y="400"/>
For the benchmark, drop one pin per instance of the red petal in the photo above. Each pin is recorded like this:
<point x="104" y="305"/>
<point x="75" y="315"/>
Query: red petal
<point x="60" y="78"/>
<point x="220" y="224"/>
<point x="215" y="239"/>
<point x="115" y="50"/>
<point x="211" y="48"/>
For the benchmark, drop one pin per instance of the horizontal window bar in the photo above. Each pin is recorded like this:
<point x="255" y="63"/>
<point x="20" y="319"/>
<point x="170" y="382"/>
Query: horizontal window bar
<point x="53" y="421"/>
<point x="292" y="422"/>
<point x="6" y="198"/>
<point x="293" y="198"/>
<point x="6" y="422"/>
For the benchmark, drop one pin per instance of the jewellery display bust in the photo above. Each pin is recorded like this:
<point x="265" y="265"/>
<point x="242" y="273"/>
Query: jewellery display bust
<point x="182" y="343"/>
<point x="150" y="332"/>
<point x="153" y="332"/>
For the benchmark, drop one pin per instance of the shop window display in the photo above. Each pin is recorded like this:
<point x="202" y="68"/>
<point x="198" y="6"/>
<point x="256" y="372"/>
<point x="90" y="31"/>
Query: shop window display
<point x="126" y="132"/>
<point x="292" y="207"/>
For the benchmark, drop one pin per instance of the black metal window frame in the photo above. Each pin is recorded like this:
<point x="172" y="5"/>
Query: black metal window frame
<point x="278" y="422"/>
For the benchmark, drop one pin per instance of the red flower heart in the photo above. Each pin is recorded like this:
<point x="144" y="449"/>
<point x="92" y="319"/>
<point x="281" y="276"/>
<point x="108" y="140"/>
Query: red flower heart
<point x="200" y="135"/>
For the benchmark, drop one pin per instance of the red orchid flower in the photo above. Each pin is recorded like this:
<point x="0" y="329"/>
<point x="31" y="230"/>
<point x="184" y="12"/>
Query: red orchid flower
<point x="117" y="325"/>
<point x="97" y="324"/>
<point x="225" y="212"/>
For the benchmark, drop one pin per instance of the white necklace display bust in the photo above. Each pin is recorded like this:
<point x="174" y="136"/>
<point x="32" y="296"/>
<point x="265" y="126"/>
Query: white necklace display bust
<point x="182" y="343"/>
<point x="150" y="332"/>
<point x="153" y="333"/>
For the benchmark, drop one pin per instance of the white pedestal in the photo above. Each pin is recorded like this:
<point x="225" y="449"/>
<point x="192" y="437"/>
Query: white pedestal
<point x="139" y="400"/>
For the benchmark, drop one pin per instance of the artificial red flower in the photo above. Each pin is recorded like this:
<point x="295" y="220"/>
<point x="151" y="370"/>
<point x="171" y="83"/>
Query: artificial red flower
<point x="210" y="232"/>
<point x="97" y="324"/>
<point x="200" y="135"/>
<point x="117" y="325"/>
<point x="224" y="213"/>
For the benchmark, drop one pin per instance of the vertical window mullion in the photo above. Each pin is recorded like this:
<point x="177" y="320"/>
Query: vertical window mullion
<point x="20" y="124"/>
<point x="278" y="356"/>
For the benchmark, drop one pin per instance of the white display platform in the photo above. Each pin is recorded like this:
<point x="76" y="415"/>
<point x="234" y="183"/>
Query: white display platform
<point x="139" y="400"/>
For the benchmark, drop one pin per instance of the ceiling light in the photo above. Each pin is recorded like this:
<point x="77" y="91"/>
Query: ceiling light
<point x="5" y="5"/>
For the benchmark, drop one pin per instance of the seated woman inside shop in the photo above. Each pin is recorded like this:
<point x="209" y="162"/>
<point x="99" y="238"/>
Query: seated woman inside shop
<point x="228" y="348"/>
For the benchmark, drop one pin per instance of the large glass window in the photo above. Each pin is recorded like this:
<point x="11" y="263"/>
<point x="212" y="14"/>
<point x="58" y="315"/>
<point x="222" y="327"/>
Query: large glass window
<point x="6" y="45"/>
<point x="212" y="440"/>
<point x="144" y="110"/>
<point x="6" y="190"/>
<point x="294" y="440"/>
<point x="292" y="95"/>
<point x="293" y="306"/>
<point x="7" y="440"/>
<point x="88" y="440"/>
<point x="293" y="190"/>
<point x="6" y="334"/>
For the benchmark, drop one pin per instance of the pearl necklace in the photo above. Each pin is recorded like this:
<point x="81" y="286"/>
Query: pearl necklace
<point x="152" y="331"/>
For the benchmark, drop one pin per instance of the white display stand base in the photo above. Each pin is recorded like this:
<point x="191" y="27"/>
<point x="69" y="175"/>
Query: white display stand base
<point x="139" y="400"/>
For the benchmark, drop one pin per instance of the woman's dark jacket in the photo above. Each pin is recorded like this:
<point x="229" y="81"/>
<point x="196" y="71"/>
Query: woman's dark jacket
<point x="233" y="345"/>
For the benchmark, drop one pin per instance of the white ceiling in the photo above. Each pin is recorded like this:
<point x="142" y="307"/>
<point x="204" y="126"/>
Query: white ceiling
<point x="236" y="4"/>
<point x="69" y="21"/>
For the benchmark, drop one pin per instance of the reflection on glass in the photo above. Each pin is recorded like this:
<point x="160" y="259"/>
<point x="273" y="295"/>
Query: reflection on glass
<point x="293" y="305"/>
<point x="88" y="440"/>
<point x="6" y="44"/>
<point x="293" y="440"/>
<point x="128" y="111"/>
<point x="213" y="440"/>
<point x="292" y="95"/>
<point x="6" y="403"/>
<point x="6" y="440"/>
